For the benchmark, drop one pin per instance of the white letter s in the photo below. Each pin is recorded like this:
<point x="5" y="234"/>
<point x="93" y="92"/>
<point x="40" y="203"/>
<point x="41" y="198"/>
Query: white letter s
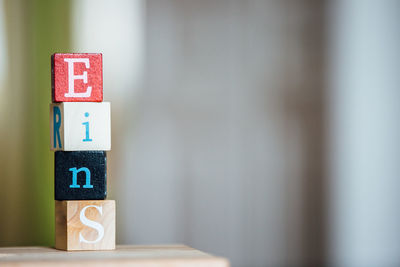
<point x="92" y="224"/>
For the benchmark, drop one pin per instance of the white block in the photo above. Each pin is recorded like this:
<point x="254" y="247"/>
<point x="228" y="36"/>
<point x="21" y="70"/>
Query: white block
<point x="80" y="126"/>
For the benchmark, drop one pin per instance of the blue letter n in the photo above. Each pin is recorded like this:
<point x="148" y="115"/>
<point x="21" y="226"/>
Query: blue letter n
<point x="75" y="178"/>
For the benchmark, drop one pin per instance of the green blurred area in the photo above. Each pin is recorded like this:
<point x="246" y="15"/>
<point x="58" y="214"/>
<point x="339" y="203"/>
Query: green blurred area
<point x="34" y="30"/>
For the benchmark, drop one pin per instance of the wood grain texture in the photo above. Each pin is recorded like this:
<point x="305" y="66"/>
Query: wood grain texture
<point x="146" y="256"/>
<point x="73" y="234"/>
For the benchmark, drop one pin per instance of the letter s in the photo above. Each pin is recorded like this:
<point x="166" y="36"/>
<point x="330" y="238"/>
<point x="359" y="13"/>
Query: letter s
<point x="92" y="224"/>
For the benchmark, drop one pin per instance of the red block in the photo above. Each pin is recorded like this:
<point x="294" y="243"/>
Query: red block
<point x="77" y="77"/>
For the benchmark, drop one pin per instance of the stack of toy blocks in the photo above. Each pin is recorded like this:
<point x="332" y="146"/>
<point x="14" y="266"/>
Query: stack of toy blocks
<point x="81" y="134"/>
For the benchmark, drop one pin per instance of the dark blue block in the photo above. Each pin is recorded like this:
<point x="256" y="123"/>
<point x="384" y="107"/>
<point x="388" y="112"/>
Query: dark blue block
<point x="80" y="175"/>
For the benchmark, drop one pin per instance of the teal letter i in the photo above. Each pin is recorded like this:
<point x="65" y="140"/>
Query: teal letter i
<point x="87" y="139"/>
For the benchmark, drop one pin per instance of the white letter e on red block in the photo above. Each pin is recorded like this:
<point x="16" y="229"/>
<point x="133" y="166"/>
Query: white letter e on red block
<point x="72" y="77"/>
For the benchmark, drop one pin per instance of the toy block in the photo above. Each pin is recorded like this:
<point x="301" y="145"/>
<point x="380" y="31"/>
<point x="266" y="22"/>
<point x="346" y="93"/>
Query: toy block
<point x="85" y="224"/>
<point x="80" y="175"/>
<point x="77" y="77"/>
<point x="80" y="126"/>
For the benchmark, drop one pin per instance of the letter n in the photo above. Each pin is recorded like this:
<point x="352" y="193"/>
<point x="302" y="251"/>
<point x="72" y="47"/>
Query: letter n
<point x="75" y="172"/>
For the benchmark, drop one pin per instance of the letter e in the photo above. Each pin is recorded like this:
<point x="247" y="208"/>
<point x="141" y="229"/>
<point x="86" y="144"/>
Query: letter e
<point x="72" y="77"/>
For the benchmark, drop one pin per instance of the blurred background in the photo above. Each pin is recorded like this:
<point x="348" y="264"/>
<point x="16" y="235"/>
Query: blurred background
<point x="262" y="131"/>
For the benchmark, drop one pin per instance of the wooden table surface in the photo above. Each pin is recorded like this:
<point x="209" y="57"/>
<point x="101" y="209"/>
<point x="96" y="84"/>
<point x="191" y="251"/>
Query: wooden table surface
<point x="169" y="255"/>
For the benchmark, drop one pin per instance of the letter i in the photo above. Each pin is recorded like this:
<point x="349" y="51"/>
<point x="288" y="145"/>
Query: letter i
<point x="87" y="139"/>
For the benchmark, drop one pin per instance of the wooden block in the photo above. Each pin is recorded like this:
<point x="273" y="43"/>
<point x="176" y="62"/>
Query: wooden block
<point x="80" y="126"/>
<point x="80" y="175"/>
<point x="77" y="77"/>
<point x="85" y="224"/>
<point x="132" y="256"/>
